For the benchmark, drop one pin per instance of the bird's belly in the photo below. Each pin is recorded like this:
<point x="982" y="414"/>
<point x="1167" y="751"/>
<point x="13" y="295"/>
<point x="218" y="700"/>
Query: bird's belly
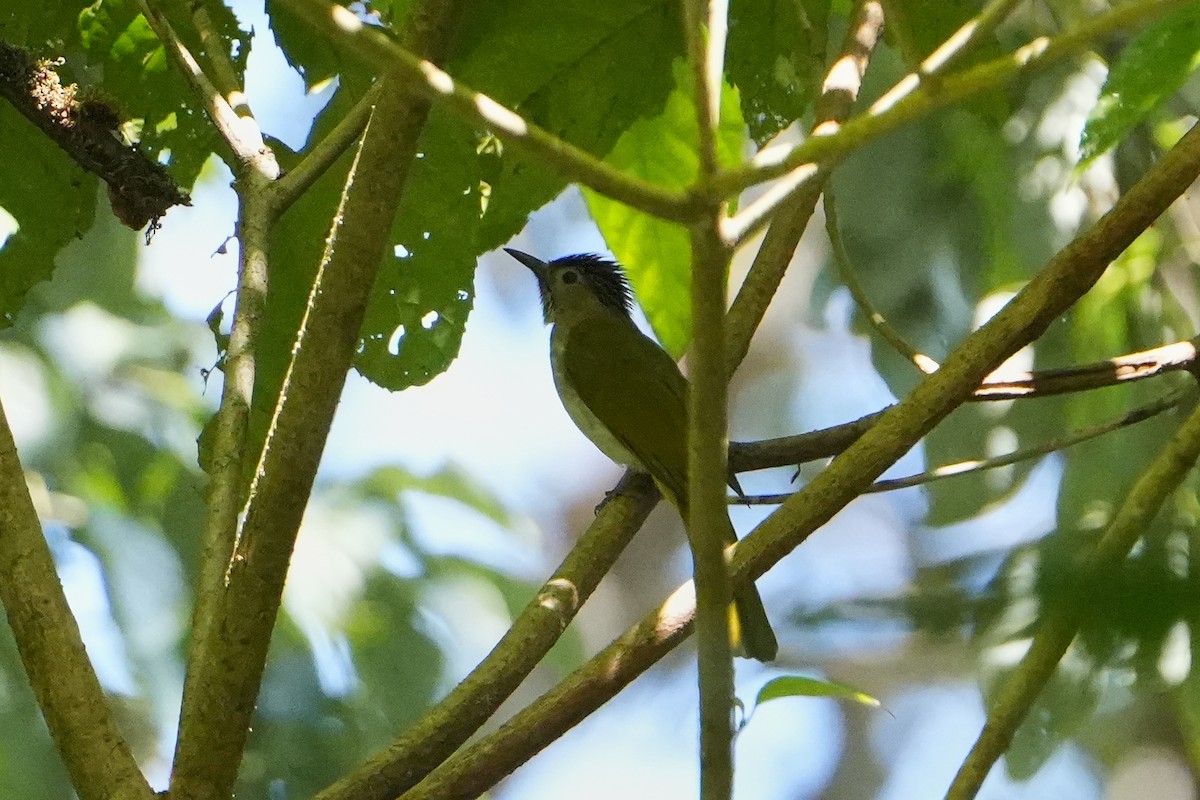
<point x="588" y="423"/>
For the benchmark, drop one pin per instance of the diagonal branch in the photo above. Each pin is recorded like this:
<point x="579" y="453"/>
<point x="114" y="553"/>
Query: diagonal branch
<point x="296" y="182"/>
<point x="81" y="724"/>
<point x="240" y="133"/>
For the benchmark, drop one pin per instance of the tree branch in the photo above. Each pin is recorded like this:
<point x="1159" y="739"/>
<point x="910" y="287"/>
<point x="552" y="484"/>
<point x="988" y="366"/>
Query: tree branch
<point x="97" y="757"/>
<point x="223" y="682"/>
<point x="297" y="181"/>
<point x="240" y="133"/>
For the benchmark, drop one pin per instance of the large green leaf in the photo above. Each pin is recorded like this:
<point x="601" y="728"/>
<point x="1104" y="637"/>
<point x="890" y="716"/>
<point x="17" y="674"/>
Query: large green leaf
<point x="583" y="71"/>
<point x="1148" y="71"/>
<point x="425" y="288"/>
<point x="776" y="59"/>
<point x="50" y="200"/>
<point x="657" y="254"/>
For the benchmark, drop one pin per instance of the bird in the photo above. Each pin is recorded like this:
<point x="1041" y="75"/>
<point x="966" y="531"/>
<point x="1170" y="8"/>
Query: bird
<point x="627" y="395"/>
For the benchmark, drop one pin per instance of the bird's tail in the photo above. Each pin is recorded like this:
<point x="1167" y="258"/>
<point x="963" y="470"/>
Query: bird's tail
<point x="749" y="628"/>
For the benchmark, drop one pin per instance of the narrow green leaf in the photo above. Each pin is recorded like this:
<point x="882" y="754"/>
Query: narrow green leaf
<point x="656" y="254"/>
<point x="1148" y="71"/>
<point x="802" y="686"/>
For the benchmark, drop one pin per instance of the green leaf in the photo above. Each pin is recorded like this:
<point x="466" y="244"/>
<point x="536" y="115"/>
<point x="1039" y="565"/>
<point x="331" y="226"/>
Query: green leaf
<point x="1149" y="70"/>
<point x="581" y="70"/>
<point x="50" y="200"/>
<point x="803" y="686"/>
<point x="417" y="312"/>
<point x="776" y="59"/>
<point x="657" y="254"/>
<point x="119" y="45"/>
<point x="312" y="55"/>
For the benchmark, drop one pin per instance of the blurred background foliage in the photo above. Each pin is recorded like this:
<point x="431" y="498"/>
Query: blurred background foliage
<point x="108" y="384"/>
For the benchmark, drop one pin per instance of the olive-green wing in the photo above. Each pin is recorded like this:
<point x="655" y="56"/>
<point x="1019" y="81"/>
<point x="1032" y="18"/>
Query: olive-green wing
<point x="636" y="391"/>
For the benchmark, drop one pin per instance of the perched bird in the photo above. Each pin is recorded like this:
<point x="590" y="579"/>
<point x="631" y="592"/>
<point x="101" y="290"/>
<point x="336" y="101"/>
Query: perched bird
<point x="628" y="396"/>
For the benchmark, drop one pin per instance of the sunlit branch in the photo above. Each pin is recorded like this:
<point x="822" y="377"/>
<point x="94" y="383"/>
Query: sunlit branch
<point x="950" y="89"/>
<point x="224" y="76"/>
<point x="1174" y="357"/>
<point x="240" y="133"/>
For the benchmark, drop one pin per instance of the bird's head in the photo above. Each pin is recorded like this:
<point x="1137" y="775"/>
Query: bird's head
<point x="579" y="286"/>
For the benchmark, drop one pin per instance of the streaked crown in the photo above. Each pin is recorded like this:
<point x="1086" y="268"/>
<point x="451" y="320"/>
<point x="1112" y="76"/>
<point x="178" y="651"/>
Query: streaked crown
<point x="603" y="278"/>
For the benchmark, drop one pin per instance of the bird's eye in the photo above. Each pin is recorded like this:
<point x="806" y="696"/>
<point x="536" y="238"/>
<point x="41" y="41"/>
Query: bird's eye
<point x="570" y="276"/>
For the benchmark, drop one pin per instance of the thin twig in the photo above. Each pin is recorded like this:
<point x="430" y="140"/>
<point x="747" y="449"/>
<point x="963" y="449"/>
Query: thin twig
<point x="1133" y="417"/>
<point x="875" y="319"/>
<point x="1058" y="627"/>
<point x="435" y="85"/>
<point x="321" y="157"/>
<point x="80" y="722"/>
